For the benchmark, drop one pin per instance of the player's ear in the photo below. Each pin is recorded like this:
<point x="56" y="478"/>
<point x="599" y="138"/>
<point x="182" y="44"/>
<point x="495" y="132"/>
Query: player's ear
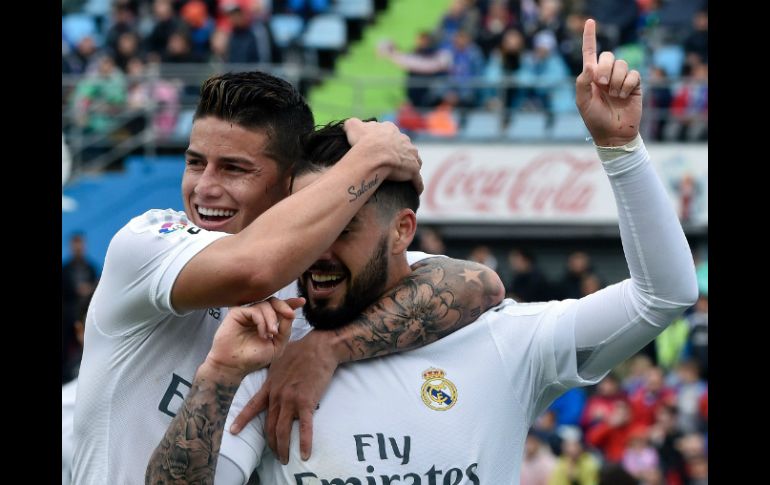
<point x="404" y="226"/>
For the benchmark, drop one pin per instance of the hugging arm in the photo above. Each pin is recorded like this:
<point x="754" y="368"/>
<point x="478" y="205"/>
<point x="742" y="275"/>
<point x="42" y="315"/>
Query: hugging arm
<point x="440" y="296"/>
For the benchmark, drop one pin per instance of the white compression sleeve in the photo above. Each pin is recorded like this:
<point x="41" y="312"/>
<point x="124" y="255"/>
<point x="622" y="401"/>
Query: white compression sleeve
<point x="613" y="323"/>
<point x="228" y="473"/>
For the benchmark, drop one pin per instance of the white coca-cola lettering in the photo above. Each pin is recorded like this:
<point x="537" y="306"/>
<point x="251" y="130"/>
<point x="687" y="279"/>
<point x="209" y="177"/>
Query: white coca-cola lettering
<point x="554" y="182"/>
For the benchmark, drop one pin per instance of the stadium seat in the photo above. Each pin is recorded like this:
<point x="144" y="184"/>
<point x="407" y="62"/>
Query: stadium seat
<point x="670" y="58"/>
<point x="357" y="9"/>
<point x="75" y="26"/>
<point x="569" y="127"/>
<point x="286" y="28"/>
<point x="481" y="125"/>
<point x="184" y="124"/>
<point x="326" y="31"/>
<point x="100" y="8"/>
<point x="527" y="126"/>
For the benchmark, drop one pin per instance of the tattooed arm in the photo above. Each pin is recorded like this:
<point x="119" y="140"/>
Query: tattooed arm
<point x="441" y="295"/>
<point x="248" y="339"/>
<point x="188" y="452"/>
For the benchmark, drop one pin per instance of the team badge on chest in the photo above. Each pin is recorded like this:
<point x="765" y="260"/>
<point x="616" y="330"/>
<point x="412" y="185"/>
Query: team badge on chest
<point x="438" y="392"/>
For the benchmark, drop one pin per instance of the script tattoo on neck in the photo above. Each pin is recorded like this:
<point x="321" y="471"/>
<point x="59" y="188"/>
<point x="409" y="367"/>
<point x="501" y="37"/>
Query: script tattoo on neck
<point x="189" y="450"/>
<point x="365" y="187"/>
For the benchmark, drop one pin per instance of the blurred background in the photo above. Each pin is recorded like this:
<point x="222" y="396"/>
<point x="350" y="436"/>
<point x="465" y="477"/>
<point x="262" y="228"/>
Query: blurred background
<point x="486" y="90"/>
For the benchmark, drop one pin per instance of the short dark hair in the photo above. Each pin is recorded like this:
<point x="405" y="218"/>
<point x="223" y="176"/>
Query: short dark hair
<point x="257" y="100"/>
<point x="327" y="145"/>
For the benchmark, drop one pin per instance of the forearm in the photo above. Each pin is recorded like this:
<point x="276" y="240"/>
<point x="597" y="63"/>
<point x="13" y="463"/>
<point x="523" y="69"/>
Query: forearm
<point x="440" y="296"/>
<point x="188" y="451"/>
<point x="285" y="240"/>
<point x="655" y="247"/>
<point x="612" y="324"/>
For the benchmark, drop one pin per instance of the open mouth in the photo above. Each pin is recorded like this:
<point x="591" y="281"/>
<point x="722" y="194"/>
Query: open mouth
<point x="321" y="284"/>
<point x="209" y="214"/>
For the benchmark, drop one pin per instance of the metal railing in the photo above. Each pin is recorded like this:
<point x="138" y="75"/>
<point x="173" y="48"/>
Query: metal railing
<point x="131" y="128"/>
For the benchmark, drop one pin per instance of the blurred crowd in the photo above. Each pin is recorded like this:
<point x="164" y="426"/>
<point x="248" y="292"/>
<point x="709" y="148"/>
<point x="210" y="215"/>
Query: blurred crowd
<point x="524" y="55"/>
<point x="503" y="55"/>
<point x="645" y="423"/>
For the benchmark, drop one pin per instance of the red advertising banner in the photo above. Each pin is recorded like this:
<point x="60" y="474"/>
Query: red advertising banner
<point x="542" y="184"/>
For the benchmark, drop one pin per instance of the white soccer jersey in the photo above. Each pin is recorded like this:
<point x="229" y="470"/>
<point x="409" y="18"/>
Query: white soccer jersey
<point x="457" y="411"/>
<point x="140" y="356"/>
<point x="460" y="418"/>
<point x="67" y="408"/>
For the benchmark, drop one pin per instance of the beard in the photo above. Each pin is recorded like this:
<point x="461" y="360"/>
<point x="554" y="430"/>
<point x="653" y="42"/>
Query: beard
<point x="363" y="291"/>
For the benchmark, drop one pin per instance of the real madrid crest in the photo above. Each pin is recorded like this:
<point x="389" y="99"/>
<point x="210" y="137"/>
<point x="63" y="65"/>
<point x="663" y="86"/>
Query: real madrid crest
<point x="438" y="392"/>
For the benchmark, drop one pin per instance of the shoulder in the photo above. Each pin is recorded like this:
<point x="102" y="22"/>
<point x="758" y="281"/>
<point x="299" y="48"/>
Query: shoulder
<point x="160" y="221"/>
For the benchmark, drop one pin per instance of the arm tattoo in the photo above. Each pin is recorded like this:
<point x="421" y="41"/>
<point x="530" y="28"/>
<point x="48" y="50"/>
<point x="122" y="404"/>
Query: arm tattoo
<point x="188" y="452"/>
<point x="441" y="295"/>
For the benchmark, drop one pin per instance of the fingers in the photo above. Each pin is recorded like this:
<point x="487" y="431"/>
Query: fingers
<point x="619" y="72"/>
<point x="259" y="317"/>
<point x="305" y="433"/>
<point x="285" y="308"/>
<point x="250" y="411"/>
<point x="283" y="435"/>
<point x="603" y="71"/>
<point x="269" y="324"/>
<point x="589" y="44"/>
<point x="271" y="421"/>
<point x="631" y="84"/>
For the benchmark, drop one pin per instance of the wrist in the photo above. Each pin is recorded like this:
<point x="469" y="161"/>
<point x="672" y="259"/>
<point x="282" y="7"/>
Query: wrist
<point x="614" y="142"/>
<point x="610" y="152"/>
<point x="330" y="346"/>
<point x="213" y="371"/>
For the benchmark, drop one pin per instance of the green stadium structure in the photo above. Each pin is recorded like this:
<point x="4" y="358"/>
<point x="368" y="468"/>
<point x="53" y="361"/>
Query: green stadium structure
<point x="364" y="84"/>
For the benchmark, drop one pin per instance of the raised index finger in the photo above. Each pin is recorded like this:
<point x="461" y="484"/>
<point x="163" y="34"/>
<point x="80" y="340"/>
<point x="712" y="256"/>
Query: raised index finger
<point x="589" y="43"/>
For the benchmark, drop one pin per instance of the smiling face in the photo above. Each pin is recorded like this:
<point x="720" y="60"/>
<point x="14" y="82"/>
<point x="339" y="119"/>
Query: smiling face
<point x="228" y="180"/>
<point x="351" y="273"/>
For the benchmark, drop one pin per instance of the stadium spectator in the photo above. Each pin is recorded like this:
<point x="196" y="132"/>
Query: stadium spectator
<point x="496" y="22"/>
<point x="646" y="400"/>
<point x="483" y="255"/>
<point x="539" y="463"/>
<point x="78" y="60"/>
<point x="528" y="283"/>
<point x="79" y="277"/>
<point x="698" y="41"/>
<point x="544" y="78"/>
<point x="578" y="265"/>
<point x="503" y="63"/>
<point x="431" y="241"/>
<point x="664" y="436"/>
<point x="575" y="466"/>
<point x="659" y="98"/>
<point x="244" y="46"/>
<point x="610" y="434"/>
<point x="200" y="25"/>
<point x="698" y="337"/>
<point x="689" y="388"/>
<point x="639" y="458"/>
<point x="636" y="376"/>
<point x="600" y="405"/>
<point x="568" y="408"/>
<point x="165" y="23"/>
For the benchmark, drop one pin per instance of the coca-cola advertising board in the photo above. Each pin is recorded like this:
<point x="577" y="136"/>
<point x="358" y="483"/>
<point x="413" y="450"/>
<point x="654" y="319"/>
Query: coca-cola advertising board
<point x="550" y="185"/>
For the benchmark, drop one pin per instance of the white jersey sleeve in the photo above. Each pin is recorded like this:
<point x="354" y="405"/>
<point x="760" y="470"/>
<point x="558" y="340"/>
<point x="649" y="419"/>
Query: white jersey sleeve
<point x="245" y="449"/>
<point x="228" y="473"/>
<point x="413" y="257"/>
<point x="577" y="342"/>
<point x="142" y="263"/>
